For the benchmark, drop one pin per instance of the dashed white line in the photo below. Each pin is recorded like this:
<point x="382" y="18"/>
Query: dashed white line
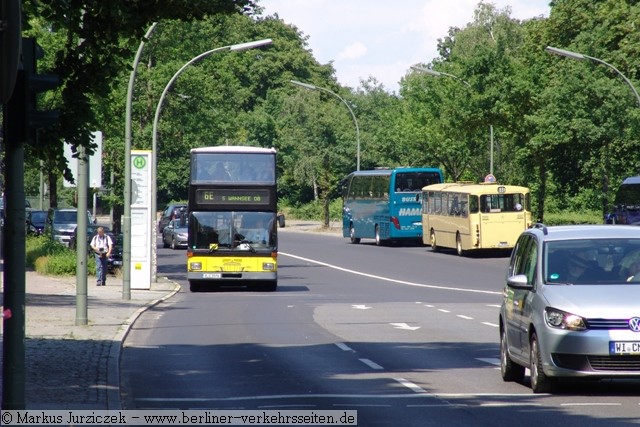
<point x="410" y="385"/>
<point x="490" y="324"/>
<point x="371" y="364"/>
<point x="344" y="347"/>
<point x="462" y="316"/>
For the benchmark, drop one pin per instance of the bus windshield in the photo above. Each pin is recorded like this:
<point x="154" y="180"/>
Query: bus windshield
<point x="220" y="231"/>
<point x="233" y="167"/>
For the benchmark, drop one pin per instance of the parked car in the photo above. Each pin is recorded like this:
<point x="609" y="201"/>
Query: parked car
<point x="35" y="221"/>
<point x="27" y="207"/>
<point x="61" y="223"/>
<point x="171" y="212"/>
<point x="570" y="305"/>
<point x="114" y="262"/>
<point x="175" y="234"/>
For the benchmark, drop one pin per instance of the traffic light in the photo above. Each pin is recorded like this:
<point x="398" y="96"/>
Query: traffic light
<point x="35" y="84"/>
<point x="10" y="33"/>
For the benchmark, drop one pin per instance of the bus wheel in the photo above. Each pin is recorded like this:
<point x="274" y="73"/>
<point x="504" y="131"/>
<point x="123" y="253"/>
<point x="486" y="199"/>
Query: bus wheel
<point x="459" y="245"/>
<point x="378" y="238"/>
<point x="352" y="234"/>
<point x="432" y="239"/>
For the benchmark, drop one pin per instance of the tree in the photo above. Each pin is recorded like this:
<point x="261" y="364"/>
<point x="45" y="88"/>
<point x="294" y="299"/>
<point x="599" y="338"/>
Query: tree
<point x="94" y="41"/>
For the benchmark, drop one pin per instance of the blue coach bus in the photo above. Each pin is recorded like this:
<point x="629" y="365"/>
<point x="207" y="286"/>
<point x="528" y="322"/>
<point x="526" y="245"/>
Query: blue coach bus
<point x="384" y="204"/>
<point x="627" y="203"/>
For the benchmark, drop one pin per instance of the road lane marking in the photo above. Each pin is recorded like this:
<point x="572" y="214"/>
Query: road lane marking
<point x="371" y="364"/>
<point x="404" y="326"/>
<point x="462" y="316"/>
<point x="591" y="404"/>
<point x="360" y="306"/>
<point x="410" y="385"/>
<point x="490" y="324"/>
<point x="344" y="347"/>
<point x="421" y="394"/>
<point x="443" y="310"/>
<point x="388" y="279"/>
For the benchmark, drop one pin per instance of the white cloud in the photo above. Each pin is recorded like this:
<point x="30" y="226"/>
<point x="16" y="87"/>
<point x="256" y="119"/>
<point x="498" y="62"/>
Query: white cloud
<point x="353" y="51"/>
<point x="382" y="38"/>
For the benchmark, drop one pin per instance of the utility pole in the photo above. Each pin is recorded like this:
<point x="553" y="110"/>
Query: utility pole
<point x="21" y="121"/>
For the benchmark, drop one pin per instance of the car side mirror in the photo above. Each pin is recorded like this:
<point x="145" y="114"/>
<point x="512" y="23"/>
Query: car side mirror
<point x="519" y="281"/>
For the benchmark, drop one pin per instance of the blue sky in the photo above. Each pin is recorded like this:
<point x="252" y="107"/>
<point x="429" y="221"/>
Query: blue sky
<point x="383" y="38"/>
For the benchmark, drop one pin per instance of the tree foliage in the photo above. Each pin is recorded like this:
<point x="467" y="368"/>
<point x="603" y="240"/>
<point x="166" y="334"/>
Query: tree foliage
<point x="567" y="129"/>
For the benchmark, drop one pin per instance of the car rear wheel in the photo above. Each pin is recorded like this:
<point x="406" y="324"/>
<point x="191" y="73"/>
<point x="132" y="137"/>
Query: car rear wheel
<point x="510" y="371"/>
<point x="173" y="243"/>
<point x="540" y="382"/>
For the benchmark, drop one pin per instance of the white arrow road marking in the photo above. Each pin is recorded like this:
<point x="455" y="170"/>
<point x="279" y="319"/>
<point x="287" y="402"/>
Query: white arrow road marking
<point x="360" y="306"/>
<point x="404" y="326"/>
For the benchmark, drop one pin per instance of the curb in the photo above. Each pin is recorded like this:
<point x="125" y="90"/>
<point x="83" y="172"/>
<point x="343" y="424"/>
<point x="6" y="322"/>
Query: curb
<point x="115" y="350"/>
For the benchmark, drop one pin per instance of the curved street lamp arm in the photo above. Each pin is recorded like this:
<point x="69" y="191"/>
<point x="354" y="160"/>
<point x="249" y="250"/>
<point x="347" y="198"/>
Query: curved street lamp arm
<point x="633" y="89"/>
<point x="312" y="87"/>
<point x="154" y="149"/>
<point x="354" y="121"/>
<point x="579" y="56"/>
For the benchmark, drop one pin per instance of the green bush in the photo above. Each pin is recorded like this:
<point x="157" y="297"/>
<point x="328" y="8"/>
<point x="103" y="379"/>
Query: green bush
<point x="40" y="246"/>
<point x="49" y="257"/>
<point x="314" y="211"/>
<point x="569" y="217"/>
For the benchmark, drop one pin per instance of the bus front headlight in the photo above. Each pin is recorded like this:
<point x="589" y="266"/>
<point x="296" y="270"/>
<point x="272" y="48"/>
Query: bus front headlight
<point x="195" y="266"/>
<point x="268" y="266"/>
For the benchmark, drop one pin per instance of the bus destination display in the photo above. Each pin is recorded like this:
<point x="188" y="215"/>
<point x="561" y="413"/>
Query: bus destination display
<point x="232" y="197"/>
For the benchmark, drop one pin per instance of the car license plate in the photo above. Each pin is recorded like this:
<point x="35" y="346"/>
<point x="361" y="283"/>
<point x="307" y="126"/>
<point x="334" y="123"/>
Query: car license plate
<point x="117" y="262"/>
<point x="211" y="275"/>
<point x="624" y="347"/>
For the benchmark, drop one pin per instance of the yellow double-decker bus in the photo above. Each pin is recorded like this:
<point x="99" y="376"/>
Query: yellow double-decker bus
<point x="468" y="216"/>
<point x="232" y="218"/>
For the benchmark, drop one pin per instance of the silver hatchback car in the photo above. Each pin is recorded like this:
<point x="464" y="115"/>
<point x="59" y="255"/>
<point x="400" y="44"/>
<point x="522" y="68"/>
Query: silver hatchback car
<point x="571" y="305"/>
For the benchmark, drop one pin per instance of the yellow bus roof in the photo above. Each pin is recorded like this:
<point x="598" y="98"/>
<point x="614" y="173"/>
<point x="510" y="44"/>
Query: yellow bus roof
<point x="475" y="188"/>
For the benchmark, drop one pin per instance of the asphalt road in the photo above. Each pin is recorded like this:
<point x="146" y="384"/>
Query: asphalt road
<point x="400" y="334"/>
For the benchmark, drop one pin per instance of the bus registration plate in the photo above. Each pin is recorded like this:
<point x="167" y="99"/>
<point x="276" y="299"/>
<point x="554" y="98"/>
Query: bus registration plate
<point x="211" y="275"/>
<point x="624" y="347"/>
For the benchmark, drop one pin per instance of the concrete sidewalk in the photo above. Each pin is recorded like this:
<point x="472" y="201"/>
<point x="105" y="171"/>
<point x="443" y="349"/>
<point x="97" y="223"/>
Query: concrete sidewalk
<point x="76" y="367"/>
<point x="300" y="225"/>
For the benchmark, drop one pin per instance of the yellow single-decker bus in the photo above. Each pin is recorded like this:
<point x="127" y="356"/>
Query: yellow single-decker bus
<point x="468" y="216"/>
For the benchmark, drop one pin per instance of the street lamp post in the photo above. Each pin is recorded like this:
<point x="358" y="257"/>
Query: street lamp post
<point x="312" y="87"/>
<point x="235" y="47"/>
<point x="582" y="57"/>
<point x="126" y="217"/>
